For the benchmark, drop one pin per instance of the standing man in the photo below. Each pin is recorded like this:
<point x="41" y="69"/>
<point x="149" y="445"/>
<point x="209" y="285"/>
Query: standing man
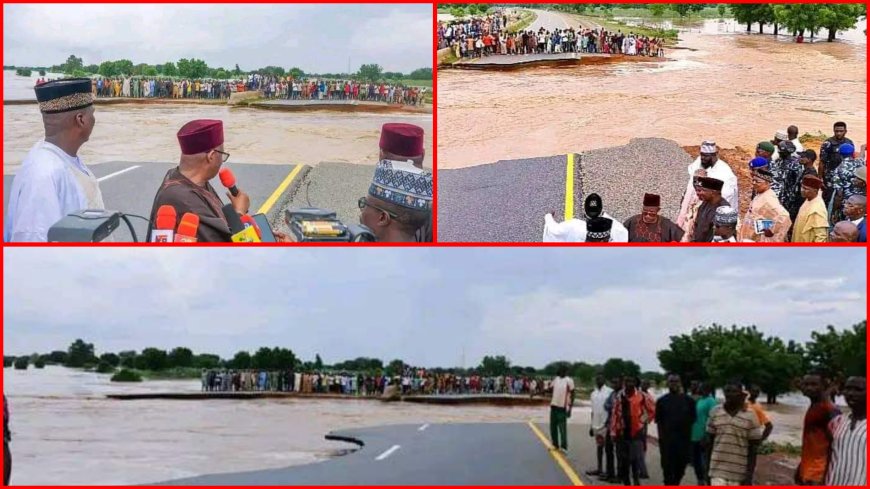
<point x="598" y="425"/>
<point x="843" y="178"/>
<point x="787" y="172"/>
<point x="725" y="225"/>
<point x="399" y="202"/>
<point x="766" y="221"/>
<point x="700" y="228"/>
<point x="7" y="438"/>
<point x="844" y="232"/>
<point x="847" y="463"/>
<point x="714" y="168"/>
<point x="828" y="157"/>
<point x="560" y="408"/>
<point x="675" y="415"/>
<point x="763" y="419"/>
<point x="649" y="226"/>
<point x="53" y="181"/>
<point x="811" y="223"/>
<point x="793" y="137"/>
<point x="609" y="440"/>
<point x="817" y="436"/>
<point x="855" y="210"/>
<point x="631" y="410"/>
<point x="703" y="405"/>
<point x="733" y="436"/>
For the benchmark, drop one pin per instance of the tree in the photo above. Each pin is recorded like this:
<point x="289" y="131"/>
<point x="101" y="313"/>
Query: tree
<point x="221" y="74"/>
<point x="128" y="359"/>
<point x="91" y="69"/>
<point x="370" y="72"/>
<point x="684" y="9"/>
<point x="41" y="72"/>
<point x="750" y="13"/>
<point x="150" y="71"/>
<point x="8" y="361"/>
<point x="841" y="353"/>
<point x="108" y="69"/>
<point x="207" y="360"/>
<point x="657" y="10"/>
<point x="396" y="367"/>
<point x="139" y="70"/>
<point x="57" y="357"/>
<point x="553" y="367"/>
<point x="296" y="72"/>
<point x="152" y="359"/>
<point x="26" y="72"/>
<point x="124" y="66"/>
<point x="318" y="362"/>
<point x="110" y="359"/>
<point x="583" y="371"/>
<point x="105" y="368"/>
<point x="169" y="69"/>
<point x="237" y="71"/>
<point x="72" y="63"/>
<point x="840" y="16"/>
<point x="495" y="365"/>
<point x="617" y="367"/>
<point x="799" y="17"/>
<point x="21" y="363"/>
<point x="284" y="358"/>
<point x="687" y="353"/>
<point x="262" y="359"/>
<point x="241" y="361"/>
<point x="656" y="378"/>
<point x="421" y="74"/>
<point x="180" y="357"/>
<point x="722" y="9"/>
<point x="79" y="354"/>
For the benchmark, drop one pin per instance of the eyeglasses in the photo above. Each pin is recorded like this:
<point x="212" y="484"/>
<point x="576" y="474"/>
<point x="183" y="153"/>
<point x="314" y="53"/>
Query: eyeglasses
<point x="363" y="203"/>
<point x="224" y="156"/>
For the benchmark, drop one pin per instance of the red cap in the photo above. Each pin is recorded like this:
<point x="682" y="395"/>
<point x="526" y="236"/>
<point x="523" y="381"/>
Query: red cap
<point x="227" y="177"/>
<point x="652" y="200"/>
<point x="402" y="139"/>
<point x="166" y="218"/>
<point x="189" y="224"/>
<point x="200" y="136"/>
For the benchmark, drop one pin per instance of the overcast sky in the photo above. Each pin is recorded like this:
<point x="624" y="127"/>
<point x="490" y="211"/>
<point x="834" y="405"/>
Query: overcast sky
<point x="424" y="305"/>
<point x="316" y="38"/>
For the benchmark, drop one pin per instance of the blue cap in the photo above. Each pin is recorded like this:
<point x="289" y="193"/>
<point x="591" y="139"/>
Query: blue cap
<point x="758" y="162"/>
<point x="847" y="149"/>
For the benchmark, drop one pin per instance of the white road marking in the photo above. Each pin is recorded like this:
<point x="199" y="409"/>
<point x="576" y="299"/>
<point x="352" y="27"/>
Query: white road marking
<point x="423" y="428"/>
<point x="110" y="175"/>
<point x="388" y="452"/>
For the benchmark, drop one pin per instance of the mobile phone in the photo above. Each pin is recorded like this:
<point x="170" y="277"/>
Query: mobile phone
<point x="266" y="235"/>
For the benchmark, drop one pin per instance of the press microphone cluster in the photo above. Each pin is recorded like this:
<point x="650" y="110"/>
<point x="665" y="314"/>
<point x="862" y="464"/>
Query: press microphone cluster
<point x="187" y="228"/>
<point x="164" y="225"/>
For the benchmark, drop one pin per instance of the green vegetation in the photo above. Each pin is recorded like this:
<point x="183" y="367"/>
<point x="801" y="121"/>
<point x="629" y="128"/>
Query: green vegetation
<point x="21" y="363"/>
<point x="800" y="18"/>
<point x="770" y="447"/>
<point x="525" y="20"/>
<point x="8" y="361"/>
<point x="717" y="354"/>
<point x="464" y="9"/>
<point x="105" y="368"/>
<point x="126" y="376"/>
<point x="23" y="72"/>
<point x="39" y="363"/>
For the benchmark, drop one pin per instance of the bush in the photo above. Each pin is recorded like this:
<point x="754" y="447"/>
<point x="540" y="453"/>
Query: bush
<point x="105" y="368"/>
<point x="21" y="363"/>
<point x="126" y="376"/>
<point x="8" y="361"/>
<point x="41" y="72"/>
<point x="40" y="363"/>
<point x="24" y="72"/>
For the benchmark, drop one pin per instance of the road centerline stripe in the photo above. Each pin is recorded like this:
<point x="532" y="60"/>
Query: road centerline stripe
<point x="569" y="187"/>
<point x="423" y="428"/>
<point x="110" y="175"/>
<point x="389" y="452"/>
<point x="558" y="457"/>
<point x="267" y="206"/>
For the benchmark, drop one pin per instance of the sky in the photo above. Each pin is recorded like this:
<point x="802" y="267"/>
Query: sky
<point x="427" y="306"/>
<point x="315" y="38"/>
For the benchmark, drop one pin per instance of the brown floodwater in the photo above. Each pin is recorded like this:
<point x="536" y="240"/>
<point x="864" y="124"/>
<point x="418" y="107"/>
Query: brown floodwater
<point x="736" y="88"/>
<point x="132" y="132"/>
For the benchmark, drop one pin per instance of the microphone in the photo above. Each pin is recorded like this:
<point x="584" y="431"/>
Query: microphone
<point x="248" y="221"/>
<point x="164" y="225"/>
<point x="228" y="180"/>
<point x="240" y="232"/>
<point x="186" y="232"/>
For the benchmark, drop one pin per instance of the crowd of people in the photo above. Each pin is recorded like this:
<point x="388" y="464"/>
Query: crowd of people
<point x="720" y="440"/>
<point x="411" y="382"/>
<point x="53" y="182"/>
<point x="485" y="36"/>
<point x="273" y="87"/>
<point x="797" y="196"/>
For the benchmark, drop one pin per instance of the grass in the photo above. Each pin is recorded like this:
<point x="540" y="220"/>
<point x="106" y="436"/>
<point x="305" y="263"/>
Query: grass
<point x="414" y="83"/>
<point x="177" y="373"/>
<point x="525" y="20"/>
<point x="707" y="13"/>
<point x="818" y="137"/>
<point x="613" y="26"/>
<point x="770" y="447"/>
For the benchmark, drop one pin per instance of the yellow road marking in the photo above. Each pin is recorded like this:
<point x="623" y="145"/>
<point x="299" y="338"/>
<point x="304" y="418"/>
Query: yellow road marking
<point x="557" y="456"/>
<point x="278" y="191"/>
<point x="569" y="188"/>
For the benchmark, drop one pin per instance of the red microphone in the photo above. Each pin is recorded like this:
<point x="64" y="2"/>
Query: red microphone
<point x="164" y="225"/>
<point x="228" y="180"/>
<point x="249" y="221"/>
<point x="186" y="232"/>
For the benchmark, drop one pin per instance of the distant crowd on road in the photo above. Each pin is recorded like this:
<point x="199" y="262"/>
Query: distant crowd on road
<point x="477" y="37"/>
<point x="411" y="382"/>
<point x="797" y="196"/>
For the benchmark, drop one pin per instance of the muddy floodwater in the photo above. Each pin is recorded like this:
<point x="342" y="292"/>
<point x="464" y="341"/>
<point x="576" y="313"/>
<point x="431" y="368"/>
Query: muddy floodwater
<point x="718" y="83"/>
<point x="65" y="432"/>
<point x="146" y="132"/>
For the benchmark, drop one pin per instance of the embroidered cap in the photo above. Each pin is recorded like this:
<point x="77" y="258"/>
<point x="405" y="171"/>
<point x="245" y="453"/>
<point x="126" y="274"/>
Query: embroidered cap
<point x="725" y="216"/>
<point x="64" y="95"/>
<point x="403" y="184"/>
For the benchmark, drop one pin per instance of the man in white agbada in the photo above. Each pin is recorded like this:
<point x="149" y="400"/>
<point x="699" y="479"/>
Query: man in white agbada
<point x="574" y="230"/>
<point x="715" y="168"/>
<point x="53" y="181"/>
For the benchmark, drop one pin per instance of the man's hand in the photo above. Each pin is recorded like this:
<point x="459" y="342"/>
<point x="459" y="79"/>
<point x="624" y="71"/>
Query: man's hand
<point x="241" y="203"/>
<point x="283" y="238"/>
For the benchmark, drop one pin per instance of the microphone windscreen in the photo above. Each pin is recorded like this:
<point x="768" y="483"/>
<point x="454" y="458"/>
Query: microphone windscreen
<point x="227" y="177"/>
<point x="189" y="224"/>
<point x="166" y="218"/>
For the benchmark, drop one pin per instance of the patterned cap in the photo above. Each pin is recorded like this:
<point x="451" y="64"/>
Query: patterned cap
<point x="708" y="147"/>
<point x="599" y="228"/>
<point x="763" y="174"/>
<point x="593" y="206"/>
<point x="725" y="215"/>
<point x="64" y="95"/>
<point x="403" y="184"/>
<point x="781" y="134"/>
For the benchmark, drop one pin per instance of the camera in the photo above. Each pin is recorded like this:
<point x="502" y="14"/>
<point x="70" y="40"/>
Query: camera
<point x="312" y="224"/>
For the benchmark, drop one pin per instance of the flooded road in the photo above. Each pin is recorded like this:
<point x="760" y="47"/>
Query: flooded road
<point x="146" y="132"/>
<point x="66" y="433"/>
<point x="720" y="83"/>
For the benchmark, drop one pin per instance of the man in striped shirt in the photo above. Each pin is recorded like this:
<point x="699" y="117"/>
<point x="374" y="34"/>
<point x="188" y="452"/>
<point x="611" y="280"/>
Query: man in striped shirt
<point x="847" y="463"/>
<point x="733" y="436"/>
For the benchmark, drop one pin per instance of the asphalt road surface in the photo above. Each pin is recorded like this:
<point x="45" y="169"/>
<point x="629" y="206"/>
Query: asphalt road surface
<point x="488" y="454"/>
<point x="130" y="188"/>
<point x="504" y="201"/>
<point x="548" y="20"/>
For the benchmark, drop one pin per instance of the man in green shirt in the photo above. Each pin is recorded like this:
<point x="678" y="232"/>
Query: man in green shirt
<point x="703" y="405"/>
